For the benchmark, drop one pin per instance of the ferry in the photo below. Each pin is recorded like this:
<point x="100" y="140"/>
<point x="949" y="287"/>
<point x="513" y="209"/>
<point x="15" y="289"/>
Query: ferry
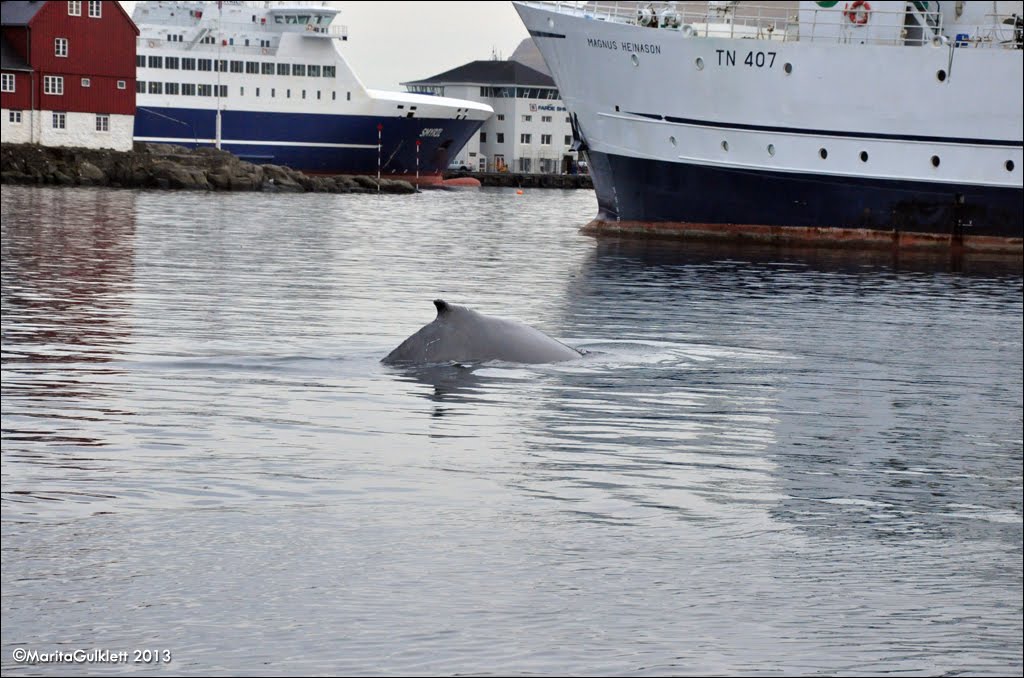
<point x="269" y="83"/>
<point x="878" y="123"/>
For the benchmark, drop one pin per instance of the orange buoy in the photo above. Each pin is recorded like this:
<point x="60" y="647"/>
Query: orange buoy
<point x="519" y="192"/>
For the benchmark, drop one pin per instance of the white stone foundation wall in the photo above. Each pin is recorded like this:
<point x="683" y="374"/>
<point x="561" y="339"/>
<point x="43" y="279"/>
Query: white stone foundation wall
<point x="80" y="130"/>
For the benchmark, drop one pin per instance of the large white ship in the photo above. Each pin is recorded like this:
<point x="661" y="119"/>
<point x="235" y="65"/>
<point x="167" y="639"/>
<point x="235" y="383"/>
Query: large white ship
<point x="268" y="82"/>
<point x="874" y="123"/>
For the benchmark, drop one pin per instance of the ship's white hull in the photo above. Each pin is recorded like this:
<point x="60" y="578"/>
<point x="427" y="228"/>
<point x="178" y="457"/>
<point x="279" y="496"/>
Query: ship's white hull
<point x="706" y="130"/>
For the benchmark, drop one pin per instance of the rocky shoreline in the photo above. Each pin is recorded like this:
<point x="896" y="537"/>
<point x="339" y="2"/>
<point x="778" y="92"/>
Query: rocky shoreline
<point x="519" y="180"/>
<point x="171" y="167"/>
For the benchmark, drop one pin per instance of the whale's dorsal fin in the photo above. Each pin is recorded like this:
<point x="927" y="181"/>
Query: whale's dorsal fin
<point x="442" y="307"/>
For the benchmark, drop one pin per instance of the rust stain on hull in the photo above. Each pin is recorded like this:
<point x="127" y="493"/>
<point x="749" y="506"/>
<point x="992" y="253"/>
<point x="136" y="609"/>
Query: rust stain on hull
<point x="803" y="236"/>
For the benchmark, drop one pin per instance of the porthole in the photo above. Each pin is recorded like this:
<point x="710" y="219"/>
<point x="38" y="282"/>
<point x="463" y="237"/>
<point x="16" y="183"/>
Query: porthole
<point x="935" y="161"/>
<point x="672" y="140"/>
<point x="725" y="145"/>
<point x="823" y="153"/>
<point x="635" y="59"/>
<point x="941" y="75"/>
<point x="863" y="156"/>
<point x="700" y="63"/>
<point x="788" y="68"/>
<point x="1009" y="165"/>
<point x="771" y="149"/>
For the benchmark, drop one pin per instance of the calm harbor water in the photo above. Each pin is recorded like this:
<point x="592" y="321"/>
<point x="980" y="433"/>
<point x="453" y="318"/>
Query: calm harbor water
<point x="768" y="463"/>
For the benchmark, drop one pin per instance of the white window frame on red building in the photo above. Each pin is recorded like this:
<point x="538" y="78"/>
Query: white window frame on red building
<point x="60" y="47"/>
<point x="53" y="84"/>
<point x="7" y="82"/>
<point x="74" y="7"/>
<point x="95" y="9"/>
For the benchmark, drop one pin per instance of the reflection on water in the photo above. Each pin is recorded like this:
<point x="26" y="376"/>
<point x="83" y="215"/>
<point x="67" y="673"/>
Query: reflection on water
<point x="768" y="461"/>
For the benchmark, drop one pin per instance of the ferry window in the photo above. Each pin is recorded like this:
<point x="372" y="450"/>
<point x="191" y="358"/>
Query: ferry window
<point x="267" y="68"/>
<point x="140" y="61"/>
<point x="282" y="69"/>
<point x="500" y="137"/>
<point x="247" y="42"/>
<point x="205" y="64"/>
<point x="170" y="88"/>
<point x="303" y="94"/>
<point x="171" y="62"/>
<point x="278" y="20"/>
<point x="252" y="67"/>
<point x="318" y="95"/>
<point x="241" y="91"/>
<point x="257" y="91"/>
<point x="140" y="86"/>
<point x="329" y="71"/>
<point x="273" y="92"/>
<point x="205" y="90"/>
<point x="223" y="91"/>
<point x="313" y="70"/>
<point x="156" y="62"/>
<point x="156" y="88"/>
<point x="348" y="96"/>
<point x="334" y="96"/>
<point x="221" y="65"/>
<point x="236" y="66"/>
<point x="188" y="89"/>
<point x="188" y="64"/>
<point x="304" y="19"/>
<point x="288" y="94"/>
<point x="298" y="69"/>
<point x="95" y="9"/>
<point x="483" y="137"/>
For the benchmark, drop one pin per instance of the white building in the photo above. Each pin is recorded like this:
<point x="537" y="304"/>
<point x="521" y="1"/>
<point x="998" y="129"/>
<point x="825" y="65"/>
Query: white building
<point x="530" y="130"/>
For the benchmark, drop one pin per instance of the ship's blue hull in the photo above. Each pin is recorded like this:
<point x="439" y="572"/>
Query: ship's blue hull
<point x="316" y="143"/>
<point x="651" y="191"/>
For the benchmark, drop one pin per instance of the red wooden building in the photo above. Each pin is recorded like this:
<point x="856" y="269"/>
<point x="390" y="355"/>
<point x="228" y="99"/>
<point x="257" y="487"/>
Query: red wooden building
<point x="68" y="72"/>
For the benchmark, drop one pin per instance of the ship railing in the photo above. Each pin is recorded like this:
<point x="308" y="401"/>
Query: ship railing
<point x="229" y="35"/>
<point x="916" y="24"/>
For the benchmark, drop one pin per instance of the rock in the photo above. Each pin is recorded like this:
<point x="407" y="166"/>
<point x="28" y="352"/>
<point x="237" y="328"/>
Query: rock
<point x="91" y="175"/>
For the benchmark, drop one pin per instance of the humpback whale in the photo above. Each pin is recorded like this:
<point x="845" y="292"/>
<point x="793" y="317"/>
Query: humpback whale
<point x="460" y="334"/>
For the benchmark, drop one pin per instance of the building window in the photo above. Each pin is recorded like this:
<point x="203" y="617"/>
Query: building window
<point x="500" y="137"/>
<point x="499" y="163"/>
<point x="8" y="83"/>
<point x="298" y="69"/>
<point x="121" y="84"/>
<point x="95" y="9"/>
<point x="568" y="119"/>
<point x="282" y="69"/>
<point x="545" y="139"/>
<point x="501" y="117"/>
<point x="156" y="88"/>
<point x="60" y="47"/>
<point x="15" y="117"/>
<point x="525" y="165"/>
<point x="86" y="82"/>
<point x="53" y="84"/>
<point x="102" y="122"/>
<point x="568" y="140"/>
<point x="156" y="62"/>
<point x="545" y="118"/>
<point x="527" y="118"/>
<point x="525" y="138"/>
<point x="171" y="62"/>
<point x="75" y="8"/>
<point x="60" y="121"/>
<point x="170" y="88"/>
<point x="483" y="137"/>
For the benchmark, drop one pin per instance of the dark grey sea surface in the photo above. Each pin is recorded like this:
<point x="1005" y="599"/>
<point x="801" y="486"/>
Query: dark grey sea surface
<point x="768" y="463"/>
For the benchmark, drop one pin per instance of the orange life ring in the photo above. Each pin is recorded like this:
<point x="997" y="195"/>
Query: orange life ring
<point x="858" y="13"/>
